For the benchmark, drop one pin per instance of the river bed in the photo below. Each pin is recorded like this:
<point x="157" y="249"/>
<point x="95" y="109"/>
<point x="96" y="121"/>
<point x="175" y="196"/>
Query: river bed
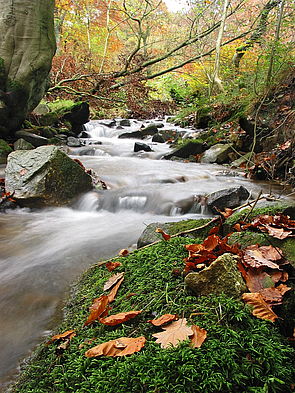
<point x="43" y="251"/>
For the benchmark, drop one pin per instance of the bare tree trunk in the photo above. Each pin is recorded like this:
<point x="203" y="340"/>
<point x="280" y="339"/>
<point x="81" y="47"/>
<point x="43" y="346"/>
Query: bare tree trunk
<point x="27" y="45"/>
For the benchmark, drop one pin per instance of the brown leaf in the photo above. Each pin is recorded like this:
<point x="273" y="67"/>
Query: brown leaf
<point x="164" y="234"/>
<point x="283" y="289"/>
<point x="121" y="347"/>
<point x="112" y="281"/>
<point x="279" y="276"/>
<point x="271" y="295"/>
<point x="113" y="293"/>
<point x="214" y="230"/>
<point x="116" y="319"/>
<point x="254" y="257"/>
<point x="69" y="334"/>
<point x="174" y="333"/>
<point x="123" y="252"/>
<point x="260" y="308"/>
<point x="278" y="233"/>
<point x="98" y="306"/>
<point x="112" y="265"/>
<point x="194" y="247"/>
<point x="256" y="280"/>
<point x="199" y="336"/>
<point x="163" y="319"/>
<point x="211" y="242"/>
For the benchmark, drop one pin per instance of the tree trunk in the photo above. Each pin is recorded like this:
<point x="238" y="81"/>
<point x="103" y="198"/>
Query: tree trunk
<point x="27" y="46"/>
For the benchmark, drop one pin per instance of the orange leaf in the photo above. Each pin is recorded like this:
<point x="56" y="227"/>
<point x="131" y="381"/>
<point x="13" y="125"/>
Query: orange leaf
<point x="113" y="293"/>
<point x="164" y="234"/>
<point x="112" y="281"/>
<point x="283" y="289"/>
<point x="116" y="319"/>
<point x="68" y="335"/>
<point x="163" y="319"/>
<point x="123" y="252"/>
<point x="260" y="308"/>
<point x="211" y="242"/>
<point x="174" y="333"/>
<point x="97" y="308"/>
<point x="214" y="230"/>
<point x="256" y="256"/>
<point x="272" y="295"/>
<point x="278" y="233"/>
<point x="112" y="265"/>
<point x="121" y="347"/>
<point x="199" y="336"/>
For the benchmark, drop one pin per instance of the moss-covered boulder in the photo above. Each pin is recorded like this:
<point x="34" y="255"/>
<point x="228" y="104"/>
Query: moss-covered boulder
<point x="21" y="144"/>
<point x="44" y="176"/>
<point x="188" y="149"/>
<point x="218" y="154"/>
<point x="5" y="149"/>
<point x="222" y="276"/>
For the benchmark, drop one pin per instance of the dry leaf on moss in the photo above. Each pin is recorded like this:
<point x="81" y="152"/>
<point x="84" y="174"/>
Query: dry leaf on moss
<point x="112" y="265"/>
<point x="112" y="281"/>
<point x="97" y="308"/>
<point x="174" y="333"/>
<point x="164" y="234"/>
<point x="113" y="293"/>
<point x="260" y="308"/>
<point x="68" y="335"/>
<point x="199" y="336"/>
<point x="120" y="347"/>
<point x="116" y="319"/>
<point x="166" y="318"/>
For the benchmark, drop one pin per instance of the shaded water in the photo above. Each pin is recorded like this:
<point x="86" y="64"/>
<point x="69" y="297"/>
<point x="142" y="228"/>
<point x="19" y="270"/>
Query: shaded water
<point x="42" y="251"/>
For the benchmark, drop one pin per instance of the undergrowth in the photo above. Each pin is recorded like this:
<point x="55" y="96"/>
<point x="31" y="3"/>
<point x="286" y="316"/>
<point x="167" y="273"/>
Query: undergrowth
<point x="241" y="353"/>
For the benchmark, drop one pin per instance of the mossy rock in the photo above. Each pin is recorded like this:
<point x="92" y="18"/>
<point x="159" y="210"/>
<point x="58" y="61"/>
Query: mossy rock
<point x="5" y="149"/>
<point x="241" y="353"/>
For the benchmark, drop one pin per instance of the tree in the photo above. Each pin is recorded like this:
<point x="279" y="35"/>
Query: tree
<point x="27" y="46"/>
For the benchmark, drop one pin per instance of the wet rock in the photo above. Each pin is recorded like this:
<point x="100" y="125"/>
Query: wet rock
<point x="35" y="140"/>
<point x="141" y="147"/>
<point x="77" y="116"/>
<point x="185" y="151"/>
<point x="158" y="138"/>
<point x="158" y="125"/>
<point x="149" y="235"/>
<point x="47" y="132"/>
<point x="108" y="123"/>
<point x="21" y="144"/>
<point x="86" y="151"/>
<point x="217" y="153"/>
<point x="132" y="135"/>
<point x="125" y="123"/>
<point x="238" y="162"/>
<point x="151" y="129"/>
<point x="222" y="276"/>
<point x="5" y="149"/>
<point x="231" y="198"/>
<point x="44" y="177"/>
<point x="73" y="142"/>
<point x="84" y="134"/>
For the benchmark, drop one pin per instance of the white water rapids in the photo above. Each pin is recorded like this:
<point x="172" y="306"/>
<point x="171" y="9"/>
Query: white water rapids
<point x="43" y="251"/>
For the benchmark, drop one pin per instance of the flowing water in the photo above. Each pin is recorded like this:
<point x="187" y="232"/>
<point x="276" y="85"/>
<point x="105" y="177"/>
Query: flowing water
<point x="43" y="251"/>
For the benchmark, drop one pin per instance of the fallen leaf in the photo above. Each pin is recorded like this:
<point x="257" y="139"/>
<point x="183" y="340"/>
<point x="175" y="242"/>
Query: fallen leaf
<point x="174" y="333"/>
<point x="199" y="336"/>
<point x="123" y="252"/>
<point x="214" y="230"/>
<point x="113" y="293"/>
<point x="254" y="257"/>
<point x="112" y="265"/>
<point x="279" y="276"/>
<point x="164" y="234"/>
<point x="112" y="281"/>
<point x="69" y="334"/>
<point x="272" y="295"/>
<point x="121" y="347"/>
<point x="278" y="233"/>
<point x="211" y="242"/>
<point x="256" y="280"/>
<point x="283" y="289"/>
<point x="260" y="308"/>
<point x="116" y="319"/>
<point x="163" y="319"/>
<point x="98" y="306"/>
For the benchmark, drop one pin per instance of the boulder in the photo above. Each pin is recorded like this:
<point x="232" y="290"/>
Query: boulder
<point x="35" y="140"/>
<point x="5" y="149"/>
<point x="186" y="150"/>
<point x="86" y="151"/>
<point x="41" y="109"/>
<point x="21" y="144"/>
<point x="151" y="129"/>
<point x="141" y="147"/>
<point x="134" y="134"/>
<point x="108" y="123"/>
<point x="77" y="116"/>
<point x="242" y="160"/>
<point x="125" y="123"/>
<point x="158" y="138"/>
<point x="44" y="177"/>
<point x="222" y="276"/>
<point x="73" y="142"/>
<point x="230" y="197"/>
<point x="217" y="153"/>
<point x="149" y="235"/>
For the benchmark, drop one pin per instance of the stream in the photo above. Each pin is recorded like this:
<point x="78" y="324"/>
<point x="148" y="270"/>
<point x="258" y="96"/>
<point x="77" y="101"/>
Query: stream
<point x="43" y="251"/>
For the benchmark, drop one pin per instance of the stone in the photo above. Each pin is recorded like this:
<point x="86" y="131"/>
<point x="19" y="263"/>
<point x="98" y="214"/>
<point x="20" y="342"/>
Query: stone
<point x="78" y="116"/>
<point x="132" y="135"/>
<point x="222" y="276"/>
<point x="151" y="129"/>
<point x="125" y="123"/>
<point x="190" y="148"/>
<point x="238" y="162"/>
<point x="108" y="123"/>
<point x="44" y="177"/>
<point x="230" y="197"/>
<point x="158" y="138"/>
<point x="5" y="149"/>
<point x="41" y="109"/>
<point x="149" y="235"/>
<point x="141" y="147"/>
<point x="21" y="144"/>
<point x="86" y="151"/>
<point x="73" y="142"/>
<point x="217" y="154"/>
<point x="35" y="140"/>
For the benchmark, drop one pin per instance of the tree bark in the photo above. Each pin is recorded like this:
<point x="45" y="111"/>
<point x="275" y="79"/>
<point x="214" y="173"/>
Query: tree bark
<point x="27" y="46"/>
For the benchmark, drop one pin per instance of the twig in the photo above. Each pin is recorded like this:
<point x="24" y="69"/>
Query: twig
<point x="252" y="207"/>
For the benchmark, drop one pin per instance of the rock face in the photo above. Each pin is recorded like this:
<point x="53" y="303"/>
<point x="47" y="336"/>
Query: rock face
<point x="34" y="139"/>
<point x="222" y="276"/>
<point x="21" y="144"/>
<point x="231" y="197"/>
<point x="5" y="149"/>
<point x="185" y="151"/>
<point x="141" y="147"/>
<point x="217" y="153"/>
<point x="44" y="177"/>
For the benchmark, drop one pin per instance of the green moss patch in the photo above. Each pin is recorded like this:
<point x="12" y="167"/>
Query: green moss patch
<point x="241" y="352"/>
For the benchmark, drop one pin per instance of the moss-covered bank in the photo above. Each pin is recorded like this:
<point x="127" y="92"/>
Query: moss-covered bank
<point x="241" y="352"/>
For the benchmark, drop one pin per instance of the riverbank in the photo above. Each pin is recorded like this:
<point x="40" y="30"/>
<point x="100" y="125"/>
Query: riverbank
<point x="240" y="353"/>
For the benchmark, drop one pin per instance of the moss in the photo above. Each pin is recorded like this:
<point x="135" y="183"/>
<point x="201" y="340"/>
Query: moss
<point x="5" y="149"/>
<point x="62" y="106"/>
<point x="241" y="352"/>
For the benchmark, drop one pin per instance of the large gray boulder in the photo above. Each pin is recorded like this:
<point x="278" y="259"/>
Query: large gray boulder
<point x="230" y="197"/>
<point x="44" y="177"/>
<point x="222" y="276"/>
<point x="190" y="148"/>
<point x="217" y="154"/>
